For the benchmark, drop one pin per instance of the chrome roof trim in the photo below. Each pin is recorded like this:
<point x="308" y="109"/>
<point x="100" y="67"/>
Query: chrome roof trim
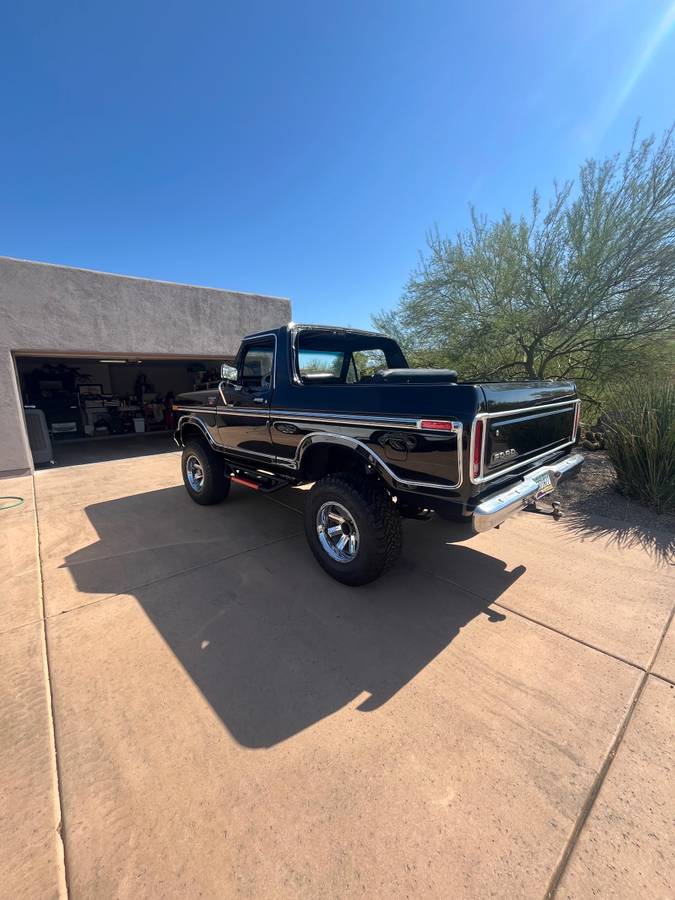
<point x="527" y="409"/>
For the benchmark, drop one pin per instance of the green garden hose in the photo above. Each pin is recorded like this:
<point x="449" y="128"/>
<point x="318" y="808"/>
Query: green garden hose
<point x="10" y="502"/>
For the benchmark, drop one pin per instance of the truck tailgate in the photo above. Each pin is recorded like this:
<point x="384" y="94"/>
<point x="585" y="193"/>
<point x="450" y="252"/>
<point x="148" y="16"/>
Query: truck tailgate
<point x="522" y="422"/>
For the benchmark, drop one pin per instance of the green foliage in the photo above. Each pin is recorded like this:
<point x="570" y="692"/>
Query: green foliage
<point x="368" y="362"/>
<point x="585" y="290"/>
<point x="640" y="441"/>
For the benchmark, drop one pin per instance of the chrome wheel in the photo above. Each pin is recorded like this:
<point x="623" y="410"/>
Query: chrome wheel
<point x="195" y="473"/>
<point x="338" y="533"/>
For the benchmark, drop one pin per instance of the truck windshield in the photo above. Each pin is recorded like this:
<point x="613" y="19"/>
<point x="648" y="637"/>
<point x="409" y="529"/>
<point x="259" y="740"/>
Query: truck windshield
<point x="343" y="357"/>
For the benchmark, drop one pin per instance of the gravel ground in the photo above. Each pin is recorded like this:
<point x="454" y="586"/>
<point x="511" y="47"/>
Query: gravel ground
<point x="592" y="497"/>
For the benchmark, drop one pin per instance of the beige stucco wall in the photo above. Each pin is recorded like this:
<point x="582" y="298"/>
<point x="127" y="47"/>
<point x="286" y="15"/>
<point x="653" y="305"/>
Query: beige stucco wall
<point x="56" y="309"/>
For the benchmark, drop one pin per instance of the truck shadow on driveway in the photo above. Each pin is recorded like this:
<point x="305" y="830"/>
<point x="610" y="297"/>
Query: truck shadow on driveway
<point x="273" y="644"/>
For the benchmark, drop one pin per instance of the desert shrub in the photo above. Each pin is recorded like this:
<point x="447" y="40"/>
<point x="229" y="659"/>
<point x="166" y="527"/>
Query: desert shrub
<point x="640" y="441"/>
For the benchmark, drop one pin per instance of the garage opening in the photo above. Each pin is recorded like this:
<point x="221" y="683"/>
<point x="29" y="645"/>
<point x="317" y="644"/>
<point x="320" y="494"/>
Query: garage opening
<point x="83" y="409"/>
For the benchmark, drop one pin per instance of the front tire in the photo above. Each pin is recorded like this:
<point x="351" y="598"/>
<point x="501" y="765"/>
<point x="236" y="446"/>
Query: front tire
<point x="204" y="474"/>
<point x="352" y="527"/>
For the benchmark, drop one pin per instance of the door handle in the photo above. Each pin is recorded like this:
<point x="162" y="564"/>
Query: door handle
<point x="258" y="399"/>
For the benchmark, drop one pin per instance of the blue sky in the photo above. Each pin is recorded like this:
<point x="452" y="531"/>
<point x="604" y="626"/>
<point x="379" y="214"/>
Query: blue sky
<point x="304" y="149"/>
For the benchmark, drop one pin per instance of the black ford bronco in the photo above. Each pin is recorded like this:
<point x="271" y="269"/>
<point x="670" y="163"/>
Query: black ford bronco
<point x="341" y="409"/>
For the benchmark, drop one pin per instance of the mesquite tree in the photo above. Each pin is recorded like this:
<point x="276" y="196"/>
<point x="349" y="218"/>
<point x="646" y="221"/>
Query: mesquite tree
<point x="583" y="290"/>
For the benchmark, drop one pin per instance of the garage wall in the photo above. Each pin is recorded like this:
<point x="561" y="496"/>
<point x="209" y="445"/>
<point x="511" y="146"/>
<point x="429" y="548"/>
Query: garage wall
<point x="55" y="309"/>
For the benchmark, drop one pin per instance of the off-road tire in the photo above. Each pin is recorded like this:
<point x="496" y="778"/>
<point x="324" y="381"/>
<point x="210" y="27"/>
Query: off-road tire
<point x="377" y="519"/>
<point x="216" y="483"/>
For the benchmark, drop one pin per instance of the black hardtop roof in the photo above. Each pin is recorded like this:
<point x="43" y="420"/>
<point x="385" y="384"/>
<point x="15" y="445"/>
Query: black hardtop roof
<point x="296" y="326"/>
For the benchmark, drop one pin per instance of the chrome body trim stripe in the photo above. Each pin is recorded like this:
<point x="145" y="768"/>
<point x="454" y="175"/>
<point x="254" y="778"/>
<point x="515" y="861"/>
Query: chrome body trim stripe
<point x="195" y="409"/>
<point x="328" y="437"/>
<point x="378" y="461"/>
<point x="260" y="411"/>
<point x="346" y="419"/>
<point x="341" y="417"/>
<point x="486" y="416"/>
<point x="526" y="409"/>
<point x="249" y="452"/>
<point x="193" y="420"/>
<point x="277" y="415"/>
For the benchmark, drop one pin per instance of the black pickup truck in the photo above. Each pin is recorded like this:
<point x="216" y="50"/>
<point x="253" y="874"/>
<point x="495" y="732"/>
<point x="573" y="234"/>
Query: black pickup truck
<point x="341" y="409"/>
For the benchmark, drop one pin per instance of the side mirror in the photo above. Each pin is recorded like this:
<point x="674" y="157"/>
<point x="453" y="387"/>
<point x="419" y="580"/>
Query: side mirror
<point x="228" y="373"/>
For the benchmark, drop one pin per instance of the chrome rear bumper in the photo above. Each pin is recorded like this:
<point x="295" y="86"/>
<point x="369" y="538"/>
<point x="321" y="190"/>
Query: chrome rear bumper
<point x="495" y="509"/>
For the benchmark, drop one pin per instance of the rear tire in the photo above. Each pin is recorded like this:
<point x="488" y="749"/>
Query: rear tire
<point x="352" y="527"/>
<point x="205" y="473"/>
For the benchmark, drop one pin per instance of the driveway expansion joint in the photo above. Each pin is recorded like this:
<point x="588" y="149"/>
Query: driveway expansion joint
<point x="178" y="574"/>
<point x="14" y="628"/>
<point x="599" y="780"/>
<point x="661" y="639"/>
<point x="522" y="615"/>
<point x="593" y="792"/>
<point x="61" y="865"/>
<point x="665" y="678"/>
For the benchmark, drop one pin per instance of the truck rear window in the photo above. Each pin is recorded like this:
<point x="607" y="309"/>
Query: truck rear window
<point x="326" y="357"/>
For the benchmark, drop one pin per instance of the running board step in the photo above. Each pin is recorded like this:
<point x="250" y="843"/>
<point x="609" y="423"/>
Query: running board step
<point x="257" y="481"/>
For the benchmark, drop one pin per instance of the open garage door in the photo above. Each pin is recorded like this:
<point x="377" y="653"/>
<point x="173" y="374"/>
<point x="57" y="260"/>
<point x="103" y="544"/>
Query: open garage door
<point x="87" y="409"/>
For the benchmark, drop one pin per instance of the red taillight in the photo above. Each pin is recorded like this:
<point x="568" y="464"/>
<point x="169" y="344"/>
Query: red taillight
<point x="577" y="414"/>
<point x="434" y="425"/>
<point x="477" y="448"/>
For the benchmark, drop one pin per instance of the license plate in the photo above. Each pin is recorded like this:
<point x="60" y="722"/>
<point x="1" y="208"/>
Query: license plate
<point x="545" y="484"/>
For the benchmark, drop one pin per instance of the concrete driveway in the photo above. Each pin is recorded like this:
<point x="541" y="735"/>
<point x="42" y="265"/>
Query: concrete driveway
<point x="191" y="708"/>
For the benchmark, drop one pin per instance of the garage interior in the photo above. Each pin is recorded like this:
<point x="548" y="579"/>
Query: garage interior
<point x="88" y="409"/>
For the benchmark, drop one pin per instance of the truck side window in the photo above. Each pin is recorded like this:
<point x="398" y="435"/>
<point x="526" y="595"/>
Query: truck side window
<point x="368" y="362"/>
<point x="320" y="366"/>
<point x="256" y="367"/>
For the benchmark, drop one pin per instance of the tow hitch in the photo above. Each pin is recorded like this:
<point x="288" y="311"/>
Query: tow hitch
<point x="556" y="511"/>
